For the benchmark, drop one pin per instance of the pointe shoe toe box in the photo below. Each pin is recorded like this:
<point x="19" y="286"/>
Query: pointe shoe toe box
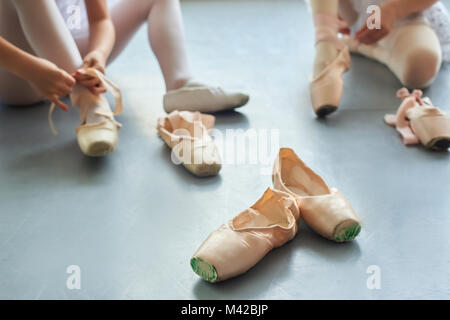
<point x="326" y="89"/>
<point x="99" y="140"/>
<point x="330" y="215"/>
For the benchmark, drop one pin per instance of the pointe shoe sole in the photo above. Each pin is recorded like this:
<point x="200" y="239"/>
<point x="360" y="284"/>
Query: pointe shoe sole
<point x="324" y="111"/>
<point x="439" y="144"/>
<point x="204" y="170"/>
<point x="347" y="231"/>
<point x="204" y="269"/>
<point x="433" y="132"/>
<point x="98" y="141"/>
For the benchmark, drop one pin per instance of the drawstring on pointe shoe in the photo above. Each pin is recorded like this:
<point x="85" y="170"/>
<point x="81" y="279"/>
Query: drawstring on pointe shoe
<point x="109" y="85"/>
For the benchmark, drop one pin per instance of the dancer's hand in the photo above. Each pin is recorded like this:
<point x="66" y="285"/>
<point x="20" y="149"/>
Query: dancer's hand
<point x="95" y="59"/>
<point x="387" y="22"/>
<point x="50" y="81"/>
<point x="344" y="29"/>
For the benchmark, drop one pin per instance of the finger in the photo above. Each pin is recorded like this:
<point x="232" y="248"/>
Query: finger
<point x="86" y="64"/>
<point x="345" y="30"/>
<point x="98" y="90"/>
<point x="68" y="79"/>
<point x="100" y="68"/>
<point x="64" y="90"/>
<point x="84" y="77"/>
<point x="361" y="31"/>
<point x="383" y="33"/>
<point x="366" y="35"/>
<point x="59" y="103"/>
<point x="90" y="83"/>
<point x="373" y="36"/>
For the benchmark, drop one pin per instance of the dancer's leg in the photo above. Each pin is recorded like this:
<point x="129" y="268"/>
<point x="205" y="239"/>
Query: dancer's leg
<point x="416" y="55"/>
<point x="14" y="90"/>
<point x="411" y="51"/>
<point x="326" y="52"/>
<point x="36" y="27"/>
<point x="165" y="31"/>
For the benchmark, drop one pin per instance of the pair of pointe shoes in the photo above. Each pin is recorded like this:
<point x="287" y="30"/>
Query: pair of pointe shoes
<point x="97" y="135"/>
<point x="186" y="133"/>
<point x="299" y="193"/>
<point x="418" y="121"/>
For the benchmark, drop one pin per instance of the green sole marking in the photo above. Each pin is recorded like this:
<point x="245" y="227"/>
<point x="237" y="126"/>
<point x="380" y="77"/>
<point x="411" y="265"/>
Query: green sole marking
<point x="348" y="234"/>
<point x="204" y="269"/>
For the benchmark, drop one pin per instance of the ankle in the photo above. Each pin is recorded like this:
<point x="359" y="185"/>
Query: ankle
<point x="325" y="54"/>
<point x="178" y="83"/>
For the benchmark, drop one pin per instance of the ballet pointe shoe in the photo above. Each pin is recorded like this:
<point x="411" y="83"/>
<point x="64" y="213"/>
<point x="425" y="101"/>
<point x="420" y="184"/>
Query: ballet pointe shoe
<point x="100" y="138"/>
<point x="326" y="88"/>
<point x="242" y="242"/>
<point x="97" y="135"/>
<point x="195" y="96"/>
<point x="324" y="209"/>
<point x="186" y="133"/>
<point x="418" y="121"/>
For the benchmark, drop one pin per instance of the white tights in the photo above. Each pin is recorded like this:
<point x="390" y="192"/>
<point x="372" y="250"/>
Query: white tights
<point x="411" y="51"/>
<point x="38" y="27"/>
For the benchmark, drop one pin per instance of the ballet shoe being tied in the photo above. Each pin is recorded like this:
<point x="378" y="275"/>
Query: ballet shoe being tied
<point x="97" y="135"/>
<point x="326" y="87"/>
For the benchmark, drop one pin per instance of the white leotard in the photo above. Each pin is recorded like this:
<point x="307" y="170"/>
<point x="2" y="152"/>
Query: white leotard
<point x="75" y="16"/>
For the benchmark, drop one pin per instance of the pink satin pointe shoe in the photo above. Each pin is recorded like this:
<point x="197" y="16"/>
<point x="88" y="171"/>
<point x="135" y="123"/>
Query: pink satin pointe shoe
<point x="418" y="121"/>
<point x="186" y="133"/>
<point x="324" y="209"/>
<point x="242" y="242"/>
<point x="97" y="135"/>
<point x="326" y="88"/>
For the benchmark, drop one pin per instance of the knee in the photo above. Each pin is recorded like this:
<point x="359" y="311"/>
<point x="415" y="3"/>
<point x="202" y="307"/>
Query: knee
<point x="420" y="67"/>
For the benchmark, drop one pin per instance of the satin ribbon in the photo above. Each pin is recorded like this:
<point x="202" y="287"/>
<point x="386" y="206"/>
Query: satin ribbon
<point x="109" y="85"/>
<point x="327" y="27"/>
<point x="400" y="120"/>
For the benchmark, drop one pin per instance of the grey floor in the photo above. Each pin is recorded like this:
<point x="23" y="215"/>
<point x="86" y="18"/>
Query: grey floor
<point x="131" y="221"/>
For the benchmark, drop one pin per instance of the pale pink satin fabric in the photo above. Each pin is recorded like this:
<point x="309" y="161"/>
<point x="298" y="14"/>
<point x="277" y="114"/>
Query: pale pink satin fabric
<point x="400" y="120"/>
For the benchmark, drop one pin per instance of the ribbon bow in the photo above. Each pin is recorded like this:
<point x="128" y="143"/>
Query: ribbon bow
<point x="109" y="85"/>
<point x="400" y="120"/>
